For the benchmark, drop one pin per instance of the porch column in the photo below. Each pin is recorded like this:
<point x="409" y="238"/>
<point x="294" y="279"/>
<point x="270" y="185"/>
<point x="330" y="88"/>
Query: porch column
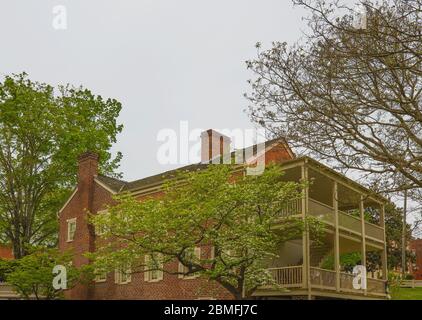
<point x="362" y="219"/>
<point x="336" y="236"/>
<point x="305" y="236"/>
<point x="384" y="251"/>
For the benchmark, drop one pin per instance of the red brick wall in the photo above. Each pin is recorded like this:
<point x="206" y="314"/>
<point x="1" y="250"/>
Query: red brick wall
<point x="6" y="252"/>
<point x="93" y="197"/>
<point x="416" y="246"/>
<point x="171" y="287"/>
<point x="277" y="154"/>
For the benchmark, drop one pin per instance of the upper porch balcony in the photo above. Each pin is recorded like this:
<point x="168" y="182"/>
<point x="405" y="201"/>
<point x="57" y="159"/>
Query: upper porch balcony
<point x="348" y="223"/>
<point x="337" y="201"/>
<point x="354" y="224"/>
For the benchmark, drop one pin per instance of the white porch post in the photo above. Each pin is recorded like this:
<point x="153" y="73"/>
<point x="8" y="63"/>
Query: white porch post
<point x="362" y="219"/>
<point x="336" y="236"/>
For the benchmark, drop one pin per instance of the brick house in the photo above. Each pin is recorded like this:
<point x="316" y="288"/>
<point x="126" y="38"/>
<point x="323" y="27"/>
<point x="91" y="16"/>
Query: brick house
<point x="6" y="252"/>
<point x="330" y="197"/>
<point x="416" y="268"/>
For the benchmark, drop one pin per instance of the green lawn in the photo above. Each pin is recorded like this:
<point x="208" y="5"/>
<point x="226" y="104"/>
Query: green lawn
<point x="407" y="294"/>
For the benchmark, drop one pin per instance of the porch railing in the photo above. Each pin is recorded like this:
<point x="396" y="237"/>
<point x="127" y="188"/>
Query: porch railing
<point x="375" y="285"/>
<point x="291" y="208"/>
<point x="323" y="279"/>
<point x="346" y="221"/>
<point x="287" y="276"/>
<point x="374" y="231"/>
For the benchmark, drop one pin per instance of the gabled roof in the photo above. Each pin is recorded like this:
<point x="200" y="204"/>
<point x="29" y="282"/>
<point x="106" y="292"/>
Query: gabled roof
<point x="117" y="185"/>
<point x="112" y="183"/>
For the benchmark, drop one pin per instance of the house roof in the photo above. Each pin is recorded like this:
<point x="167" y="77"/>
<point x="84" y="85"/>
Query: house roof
<point x="114" y="184"/>
<point x="117" y="185"/>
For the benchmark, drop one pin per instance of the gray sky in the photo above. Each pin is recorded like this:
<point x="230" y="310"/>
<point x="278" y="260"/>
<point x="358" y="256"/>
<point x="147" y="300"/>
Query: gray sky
<point x="166" y="61"/>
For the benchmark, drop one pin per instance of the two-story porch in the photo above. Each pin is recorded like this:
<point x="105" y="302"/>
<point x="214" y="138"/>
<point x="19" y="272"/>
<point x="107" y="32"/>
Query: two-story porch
<point x="354" y="233"/>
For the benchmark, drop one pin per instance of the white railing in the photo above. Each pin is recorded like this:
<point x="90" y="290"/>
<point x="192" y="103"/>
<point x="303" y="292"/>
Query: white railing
<point x="374" y="231"/>
<point x="346" y="221"/>
<point x="377" y="286"/>
<point x="411" y="283"/>
<point x="323" y="278"/>
<point x="291" y="208"/>
<point x="349" y="222"/>
<point x="287" y="276"/>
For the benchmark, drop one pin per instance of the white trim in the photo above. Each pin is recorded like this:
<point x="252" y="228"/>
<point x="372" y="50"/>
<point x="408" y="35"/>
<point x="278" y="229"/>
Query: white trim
<point x="102" y="184"/>
<point x="68" y="200"/>
<point x="99" y="279"/>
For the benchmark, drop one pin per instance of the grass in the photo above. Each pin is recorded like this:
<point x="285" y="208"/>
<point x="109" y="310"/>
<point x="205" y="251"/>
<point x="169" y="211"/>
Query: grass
<point x="407" y="294"/>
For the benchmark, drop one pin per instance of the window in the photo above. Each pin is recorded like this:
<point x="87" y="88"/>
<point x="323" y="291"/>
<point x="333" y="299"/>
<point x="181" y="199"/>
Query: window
<point x="192" y="255"/>
<point x="100" y="276"/>
<point x="154" y="265"/>
<point x="71" y="229"/>
<point x="123" y="274"/>
<point x="99" y="231"/>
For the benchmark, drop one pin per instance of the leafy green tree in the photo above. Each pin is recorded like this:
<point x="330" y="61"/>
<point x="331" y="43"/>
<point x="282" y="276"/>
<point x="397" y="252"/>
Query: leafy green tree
<point x="347" y="261"/>
<point x="236" y="216"/>
<point x="32" y="276"/>
<point x="42" y="132"/>
<point x="393" y="232"/>
<point x="6" y="266"/>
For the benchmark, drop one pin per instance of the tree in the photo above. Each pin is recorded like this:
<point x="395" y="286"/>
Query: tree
<point x="32" y="276"/>
<point x="393" y="232"/>
<point x="349" y="95"/>
<point x="42" y="132"/>
<point x="6" y="266"/>
<point x="234" y="216"/>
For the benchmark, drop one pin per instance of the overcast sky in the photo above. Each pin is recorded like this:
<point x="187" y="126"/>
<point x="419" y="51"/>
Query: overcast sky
<point x="167" y="61"/>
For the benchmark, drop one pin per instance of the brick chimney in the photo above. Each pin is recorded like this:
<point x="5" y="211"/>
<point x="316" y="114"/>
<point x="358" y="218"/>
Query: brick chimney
<point x="87" y="170"/>
<point x="215" y="147"/>
<point x="85" y="235"/>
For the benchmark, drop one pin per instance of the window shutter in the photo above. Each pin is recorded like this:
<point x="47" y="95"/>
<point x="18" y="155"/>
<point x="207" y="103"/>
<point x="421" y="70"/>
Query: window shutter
<point x="146" y="273"/>
<point x="160" y="273"/>
<point x="129" y="274"/>
<point x="116" y="275"/>
<point x="197" y="253"/>
<point x="212" y="253"/>
<point x="181" y="269"/>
